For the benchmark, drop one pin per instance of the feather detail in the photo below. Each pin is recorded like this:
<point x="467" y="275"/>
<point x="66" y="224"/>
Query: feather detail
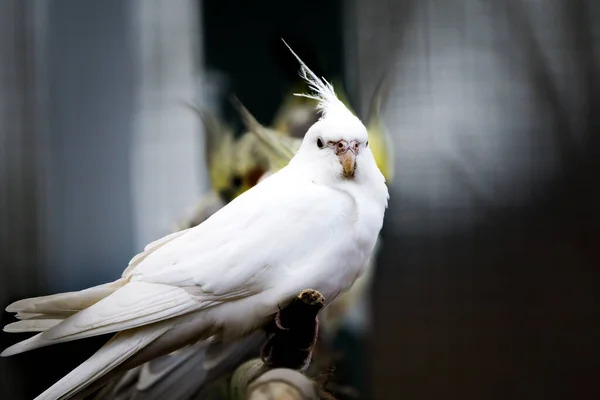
<point x="114" y="353"/>
<point x="63" y="303"/>
<point x="324" y="93"/>
<point x="32" y="325"/>
<point x="133" y="305"/>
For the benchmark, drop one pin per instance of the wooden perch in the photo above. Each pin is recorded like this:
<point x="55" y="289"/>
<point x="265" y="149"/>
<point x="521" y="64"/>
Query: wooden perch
<point x="288" y="351"/>
<point x="283" y="384"/>
<point x="254" y="381"/>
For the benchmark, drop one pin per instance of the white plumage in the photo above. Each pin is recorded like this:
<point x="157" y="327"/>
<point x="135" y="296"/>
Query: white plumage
<point x="313" y="224"/>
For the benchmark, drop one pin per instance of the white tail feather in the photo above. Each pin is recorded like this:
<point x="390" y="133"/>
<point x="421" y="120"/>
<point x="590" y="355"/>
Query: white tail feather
<point x="41" y="316"/>
<point x="119" y="349"/>
<point x="64" y="303"/>
<point x="121" y="310"/>
<point x="32" y="325"/>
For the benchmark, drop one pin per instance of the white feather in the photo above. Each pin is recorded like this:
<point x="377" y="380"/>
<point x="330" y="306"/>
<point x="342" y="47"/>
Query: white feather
<point x="62" y="303"/>
<point x="35" y="325"/>
<point x="117" y="351"/>
<point x="136" y="304"/>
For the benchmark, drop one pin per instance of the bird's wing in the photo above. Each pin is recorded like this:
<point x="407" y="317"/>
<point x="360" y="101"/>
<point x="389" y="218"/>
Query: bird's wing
<point x="277" y="224"/>
<point x="151" y="247"/>
<point x="243" y="249"/>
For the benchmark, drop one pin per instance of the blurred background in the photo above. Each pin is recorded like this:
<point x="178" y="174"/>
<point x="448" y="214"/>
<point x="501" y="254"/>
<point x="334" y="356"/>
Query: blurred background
<point x="486" y="282"/>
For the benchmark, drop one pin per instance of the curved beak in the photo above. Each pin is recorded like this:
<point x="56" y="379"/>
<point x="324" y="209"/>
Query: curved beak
<point x="347" y="153"/>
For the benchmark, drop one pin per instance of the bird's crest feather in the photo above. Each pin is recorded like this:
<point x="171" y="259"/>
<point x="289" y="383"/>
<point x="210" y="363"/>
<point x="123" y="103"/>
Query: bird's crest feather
<point x="322" y="90"/>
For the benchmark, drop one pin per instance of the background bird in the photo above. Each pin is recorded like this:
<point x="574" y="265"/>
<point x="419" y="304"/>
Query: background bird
<point x="234" y="166"/>
<point x="295" y="114"/>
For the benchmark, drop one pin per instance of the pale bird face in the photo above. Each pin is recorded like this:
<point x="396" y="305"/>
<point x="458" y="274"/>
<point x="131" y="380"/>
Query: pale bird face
<point x="336" y="149"/>
<point x="346" y="151"/>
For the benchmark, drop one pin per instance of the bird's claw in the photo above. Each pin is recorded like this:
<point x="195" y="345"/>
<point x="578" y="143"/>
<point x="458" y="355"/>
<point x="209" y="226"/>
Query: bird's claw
<point x="278" y="321"/>
<point x="264" y="353"/>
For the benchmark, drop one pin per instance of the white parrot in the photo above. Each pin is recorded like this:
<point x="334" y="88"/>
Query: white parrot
<point x="313" y="224"/>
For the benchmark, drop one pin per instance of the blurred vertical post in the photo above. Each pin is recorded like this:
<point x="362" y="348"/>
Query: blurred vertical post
<point x="167" y="175"/>
<point x="20" y="106"/>
<point x="21" y="109"/>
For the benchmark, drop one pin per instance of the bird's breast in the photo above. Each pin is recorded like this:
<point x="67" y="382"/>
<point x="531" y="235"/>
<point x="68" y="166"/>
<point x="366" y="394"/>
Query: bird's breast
<point x="347" y="255"/>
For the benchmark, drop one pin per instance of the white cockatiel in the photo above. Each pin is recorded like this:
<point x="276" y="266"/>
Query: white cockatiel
<point x="313" y="224"/>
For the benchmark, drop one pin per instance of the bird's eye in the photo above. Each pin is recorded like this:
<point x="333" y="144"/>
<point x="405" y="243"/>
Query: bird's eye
<point x="320" y="143"/>
<point x="237" y="181"/>
<point x="367" y="144"/>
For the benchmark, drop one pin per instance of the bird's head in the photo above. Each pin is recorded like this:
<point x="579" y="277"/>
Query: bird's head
<point x="337" y="145"/>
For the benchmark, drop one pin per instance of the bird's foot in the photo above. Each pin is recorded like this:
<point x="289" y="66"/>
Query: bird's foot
<point x="292" y="333"/>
